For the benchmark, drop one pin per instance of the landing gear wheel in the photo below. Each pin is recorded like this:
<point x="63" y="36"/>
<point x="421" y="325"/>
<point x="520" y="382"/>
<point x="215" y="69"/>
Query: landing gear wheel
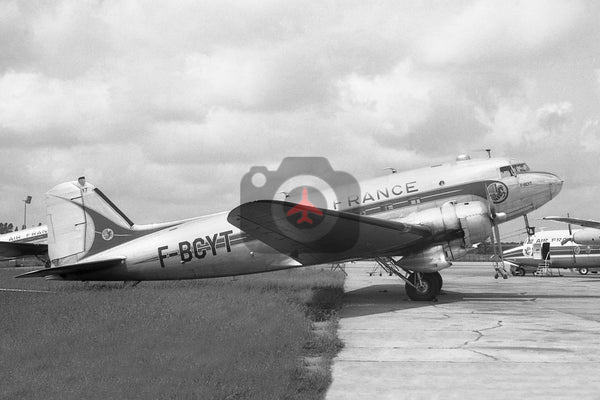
<point x="427" y="287"/>
<point x="583" y="271"/>
<point x="439" y="279"/>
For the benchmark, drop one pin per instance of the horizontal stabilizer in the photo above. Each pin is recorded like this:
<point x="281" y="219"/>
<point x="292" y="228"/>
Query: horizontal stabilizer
<point x="351" y="236"/>
<point x="80" y="268"/>
<point x="16" y="249"/>
<point x="587" y="223"/>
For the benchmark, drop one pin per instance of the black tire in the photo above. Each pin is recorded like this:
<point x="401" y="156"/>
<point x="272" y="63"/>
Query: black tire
<point x="439" y="279"/>
<point x="520" y="271"/>
<point x="583" y="271"/>
<point x="428" y="290"/>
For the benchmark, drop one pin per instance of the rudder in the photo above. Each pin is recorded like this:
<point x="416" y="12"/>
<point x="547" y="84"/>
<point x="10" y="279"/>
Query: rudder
<point x="82" y="221"/>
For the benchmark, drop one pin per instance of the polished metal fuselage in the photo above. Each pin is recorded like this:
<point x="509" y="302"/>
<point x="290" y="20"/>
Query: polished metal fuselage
<point x="210" y="246"/>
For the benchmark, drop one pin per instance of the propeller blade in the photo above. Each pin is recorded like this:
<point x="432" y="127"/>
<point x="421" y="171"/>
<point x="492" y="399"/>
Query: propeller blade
<point x="491" y="207"/>
<point x="495" y="237"/>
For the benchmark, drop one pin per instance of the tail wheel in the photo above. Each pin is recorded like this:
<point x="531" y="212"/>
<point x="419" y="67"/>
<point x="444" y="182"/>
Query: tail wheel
<point x="426" y="286"/>
<point x="583" y="271"/>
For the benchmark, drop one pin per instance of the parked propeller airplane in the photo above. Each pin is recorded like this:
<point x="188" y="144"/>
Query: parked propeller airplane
<point x="554" y="249"/>
<point x="414" y="223"/>
<point x="26" y="242"/>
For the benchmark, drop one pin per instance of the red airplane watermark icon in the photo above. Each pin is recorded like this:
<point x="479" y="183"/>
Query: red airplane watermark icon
<point x="305" y="207"/>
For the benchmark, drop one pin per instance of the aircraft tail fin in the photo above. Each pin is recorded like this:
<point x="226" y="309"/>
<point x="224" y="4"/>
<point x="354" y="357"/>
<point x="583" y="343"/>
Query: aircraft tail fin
<point x="82" y="221"/>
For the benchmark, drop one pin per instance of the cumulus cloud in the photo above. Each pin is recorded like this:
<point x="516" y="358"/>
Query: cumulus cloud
<point x="514" y="121"/>
<point x="34" y="105"/>
<point x="484" y="32"/>
<point x="590" y="134"/>
<point x="177" y="101"/>
<point x="391" y="103"/>
<point x="554" y="117"/>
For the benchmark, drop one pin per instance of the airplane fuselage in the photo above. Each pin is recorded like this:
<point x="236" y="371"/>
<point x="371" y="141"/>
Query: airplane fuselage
<point x="563" y="252"/>
<point x="39" y="234"/>
<point x="210" y="246"/>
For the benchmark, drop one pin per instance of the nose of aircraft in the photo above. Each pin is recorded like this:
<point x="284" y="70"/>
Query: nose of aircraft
<point x="538" y="188"/>
<point x="546" y="181"/>
<point x="555" y="185"/>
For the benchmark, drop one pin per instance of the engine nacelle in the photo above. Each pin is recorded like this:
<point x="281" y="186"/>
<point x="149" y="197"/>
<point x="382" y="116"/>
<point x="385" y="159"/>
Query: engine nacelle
<point x="470" y="218"/>
<point x="434" y="258"/>
<point x="459" y="225"/>
<point x="587" y="236"/>
<point x="429" y="260"/>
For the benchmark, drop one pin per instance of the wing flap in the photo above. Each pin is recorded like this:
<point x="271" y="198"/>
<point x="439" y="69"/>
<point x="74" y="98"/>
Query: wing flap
<point x="16" y="249"/>
<point x="80" y="268"/>
<point x="587" y="223"/>
<point x="352" y="236"/>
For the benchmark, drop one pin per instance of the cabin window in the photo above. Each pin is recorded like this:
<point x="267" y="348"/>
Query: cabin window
<point x="520" y="168"/>
<point x="507" y="171"/>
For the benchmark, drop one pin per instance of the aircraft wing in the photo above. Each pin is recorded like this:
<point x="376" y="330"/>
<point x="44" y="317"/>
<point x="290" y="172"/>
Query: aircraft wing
<point x="80" y="268"/>
<point x="587" y="223"/>
<point x="17" y="249"/>
<point x="353" y="236"/>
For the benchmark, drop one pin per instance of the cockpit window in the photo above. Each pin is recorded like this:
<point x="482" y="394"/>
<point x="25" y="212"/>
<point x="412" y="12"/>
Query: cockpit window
<point x="520" y="168"/>
<point x="506" y="171"/>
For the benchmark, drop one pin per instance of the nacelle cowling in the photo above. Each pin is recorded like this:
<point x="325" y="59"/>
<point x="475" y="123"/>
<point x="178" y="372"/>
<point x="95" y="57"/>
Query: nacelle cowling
<point x="434" y="258"/>
<point x="429" y="260"/>
<point x="470" y="218"/>
<point x="588" y="236"/>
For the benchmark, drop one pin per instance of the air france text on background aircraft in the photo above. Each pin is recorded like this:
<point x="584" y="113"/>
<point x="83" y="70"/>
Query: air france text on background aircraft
<point x="414" y="223"/>
<point x="26" y="242"/>
<point x="558" y="248"/>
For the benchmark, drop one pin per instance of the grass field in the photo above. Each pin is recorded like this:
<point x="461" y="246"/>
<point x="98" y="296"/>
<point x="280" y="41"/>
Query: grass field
<point x="268" y="336"/>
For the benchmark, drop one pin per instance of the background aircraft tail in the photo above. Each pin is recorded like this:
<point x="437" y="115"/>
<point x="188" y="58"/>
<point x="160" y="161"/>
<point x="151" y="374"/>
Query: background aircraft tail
<point x="82" y="222"/>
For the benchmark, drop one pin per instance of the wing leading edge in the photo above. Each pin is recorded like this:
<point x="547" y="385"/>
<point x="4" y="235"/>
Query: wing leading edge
<point x="587" y="223"/>
<point x="351" y="237"/>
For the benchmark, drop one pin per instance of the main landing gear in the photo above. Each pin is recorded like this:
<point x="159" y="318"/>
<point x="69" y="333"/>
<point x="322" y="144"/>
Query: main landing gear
<point x="423" y="286"/>
<point x="420" y="286"/>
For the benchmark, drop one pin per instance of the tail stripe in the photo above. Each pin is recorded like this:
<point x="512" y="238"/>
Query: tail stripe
<point x="113" y="206"/>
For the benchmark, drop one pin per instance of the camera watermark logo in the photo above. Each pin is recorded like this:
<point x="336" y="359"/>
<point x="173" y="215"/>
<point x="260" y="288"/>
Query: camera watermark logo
<point x="296" y="204"/>
<point x="304" y="208"/>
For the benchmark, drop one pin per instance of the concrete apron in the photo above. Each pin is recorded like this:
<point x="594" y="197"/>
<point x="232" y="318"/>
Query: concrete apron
<point x="537" y="337"/>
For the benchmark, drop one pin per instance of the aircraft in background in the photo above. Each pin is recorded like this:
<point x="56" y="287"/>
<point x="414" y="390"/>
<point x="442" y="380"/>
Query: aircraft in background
<point x="588" y="236"/>
<point x="414" y="223"/>
<point x="26" y="242"/>
<point x="558" y="248"/>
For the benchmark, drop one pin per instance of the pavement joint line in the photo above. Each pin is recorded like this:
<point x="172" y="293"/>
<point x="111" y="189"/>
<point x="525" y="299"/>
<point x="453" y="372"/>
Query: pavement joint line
<point x="25" y="290"/>
<point x="463" y="362"/>
<point x="483" y="354"/>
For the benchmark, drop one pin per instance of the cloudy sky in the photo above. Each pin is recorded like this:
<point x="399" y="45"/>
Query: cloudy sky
<point x="166" y="105"/>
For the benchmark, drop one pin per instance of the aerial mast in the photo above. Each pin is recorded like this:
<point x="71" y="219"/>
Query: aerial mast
<point x="26" y="201"/>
